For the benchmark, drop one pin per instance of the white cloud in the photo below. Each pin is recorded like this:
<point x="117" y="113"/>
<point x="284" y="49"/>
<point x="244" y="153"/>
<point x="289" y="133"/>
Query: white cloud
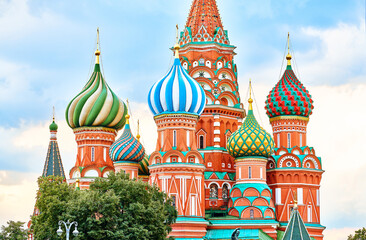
<point x="17" y="196"/>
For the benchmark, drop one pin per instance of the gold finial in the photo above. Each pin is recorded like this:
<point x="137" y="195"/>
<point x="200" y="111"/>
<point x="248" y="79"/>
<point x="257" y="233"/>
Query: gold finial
<point x="177" y="46"/>
<point x="53" y="114"/>
<point x="138" y="130"/>
<point x="288" y="57"/>
<point x="250" y="100"/>
<point x="97" y="52"/>
<point x="295" y="199"/>
<point x="127" y="116"/>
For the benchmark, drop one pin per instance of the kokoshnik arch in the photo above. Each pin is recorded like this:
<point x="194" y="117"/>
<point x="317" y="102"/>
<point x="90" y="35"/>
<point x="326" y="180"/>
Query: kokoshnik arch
<point x="222" y="169"/>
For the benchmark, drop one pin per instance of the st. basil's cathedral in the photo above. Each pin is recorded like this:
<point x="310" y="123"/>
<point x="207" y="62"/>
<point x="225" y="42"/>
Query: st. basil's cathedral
<point x="220" y="167"/>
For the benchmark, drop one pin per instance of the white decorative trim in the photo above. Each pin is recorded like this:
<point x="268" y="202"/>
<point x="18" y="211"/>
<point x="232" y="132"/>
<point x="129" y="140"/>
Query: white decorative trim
<point x="311" y="159"/>
<point x="216" y="124"/>
<point x="216" y="139"/>
<point x="289" y="157"/>
<point x="217" y="131"/>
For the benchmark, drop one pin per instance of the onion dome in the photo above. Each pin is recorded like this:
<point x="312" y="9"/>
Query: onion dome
<point x="53" y="126"/>
<point x="177" y="92"/>
<point x="289" y="96"/>
<point x="250" y="139"/>
<point x="143" y="166"/>
<point x="96" y="105"/>
<point x="127" y="147"/>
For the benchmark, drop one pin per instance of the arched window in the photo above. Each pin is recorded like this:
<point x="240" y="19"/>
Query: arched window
<point x="214" y="191"/>
<point x="208" y="64"/>
<point x="251" y="214"/>
<point x="250" y="172"/>
<point x="288" y="140"/>
<point x="225" y="191"/>
<point x="185" y="65"/>
<point x="201" y="142"/>
<point x="219" y="65"/>
<point x="202" y="62"/>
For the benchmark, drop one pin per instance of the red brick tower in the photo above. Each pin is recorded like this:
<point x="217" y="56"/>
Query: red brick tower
<point x="293" y="169"/>
<point x="207" y="55"/>
<point x="176" y="166"/>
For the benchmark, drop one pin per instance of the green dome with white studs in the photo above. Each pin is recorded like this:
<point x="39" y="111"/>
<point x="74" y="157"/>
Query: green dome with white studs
<point x="250" y="140"/>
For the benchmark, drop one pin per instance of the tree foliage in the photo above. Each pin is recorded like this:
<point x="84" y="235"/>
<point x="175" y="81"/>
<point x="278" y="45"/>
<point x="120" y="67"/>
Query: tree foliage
<point x="359" y="235"/>
<point x="14" y="231"/>
<point x="113" y="208"/>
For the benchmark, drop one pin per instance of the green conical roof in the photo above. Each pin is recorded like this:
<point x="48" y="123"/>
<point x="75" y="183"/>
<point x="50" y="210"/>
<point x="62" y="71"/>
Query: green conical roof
<point x="296" y="229"/>
<point x="53" y="164"/>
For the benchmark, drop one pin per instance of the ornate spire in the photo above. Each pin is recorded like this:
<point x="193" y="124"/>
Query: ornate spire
<point x="250" y="100"/>
<point x="177" y="46"/>
<point x="288" y="57"/>
<point x="53" y="164"/>
<point x="97" y="52"/>
<point x="138" y="131"/>
<point x="206" y="13"/>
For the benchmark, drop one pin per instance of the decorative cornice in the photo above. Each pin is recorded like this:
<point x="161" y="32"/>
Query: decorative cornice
<point x="289" y="117"/>
<point x="95" y="129"/>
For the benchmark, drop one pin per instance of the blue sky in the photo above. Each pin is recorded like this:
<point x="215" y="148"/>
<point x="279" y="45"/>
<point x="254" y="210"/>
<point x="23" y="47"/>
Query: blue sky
<point x="46" y="55"/>
<point x="55" y="48"/>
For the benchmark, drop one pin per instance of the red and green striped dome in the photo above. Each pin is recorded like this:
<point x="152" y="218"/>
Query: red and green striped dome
<point x="289" y="97"/>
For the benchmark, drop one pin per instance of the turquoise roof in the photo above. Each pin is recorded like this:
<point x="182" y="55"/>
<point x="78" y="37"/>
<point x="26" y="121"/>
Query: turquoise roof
<point x="259" y="186"/>
<point x="53" y="164"/>
<point x="220" y="175"/>
<point x="296" y="229"/>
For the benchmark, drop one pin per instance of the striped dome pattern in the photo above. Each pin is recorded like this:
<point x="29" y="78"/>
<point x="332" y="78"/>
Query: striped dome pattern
<point x="143" y="166"/>
<point x="289" y="97"/>
<point x="96" y="105"/>
<point x="177" y="92"/>
<point x="127" y="148"/>
<point x="250" y="139"/>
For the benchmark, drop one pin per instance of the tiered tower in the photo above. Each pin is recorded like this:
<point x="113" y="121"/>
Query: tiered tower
<point x="293" y="167"/>
<point x="208" y="56"/>
<point x="176" y="166"/>
<point x="250" y="197"/>
<point x="52" y="166"/>
<point x="95" y="115"/>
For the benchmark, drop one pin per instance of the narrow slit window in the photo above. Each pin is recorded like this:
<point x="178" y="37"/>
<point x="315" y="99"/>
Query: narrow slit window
<point x="174" y="138"/>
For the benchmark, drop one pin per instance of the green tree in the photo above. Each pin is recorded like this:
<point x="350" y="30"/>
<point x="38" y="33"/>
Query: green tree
<point x="113" y="208"/>
<point x="359" y="235"/>
<point x="14" y="231"/>
<point x="52" y="198"/>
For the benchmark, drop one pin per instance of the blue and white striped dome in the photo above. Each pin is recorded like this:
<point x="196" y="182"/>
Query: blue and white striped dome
<point x="177" y="92"/>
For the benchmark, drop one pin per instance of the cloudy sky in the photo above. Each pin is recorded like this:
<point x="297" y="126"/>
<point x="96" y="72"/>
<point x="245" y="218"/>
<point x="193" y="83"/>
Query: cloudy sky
<point x="46" y="54"/>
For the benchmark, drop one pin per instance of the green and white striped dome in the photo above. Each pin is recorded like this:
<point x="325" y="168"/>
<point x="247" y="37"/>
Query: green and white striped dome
<point x="96" y="105"/>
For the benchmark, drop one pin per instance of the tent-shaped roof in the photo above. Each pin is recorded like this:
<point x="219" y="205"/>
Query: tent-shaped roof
<point x="296" y="229"/>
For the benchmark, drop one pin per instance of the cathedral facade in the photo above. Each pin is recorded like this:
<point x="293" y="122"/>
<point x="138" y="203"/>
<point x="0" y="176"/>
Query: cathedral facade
<point x="221" y="168"/>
